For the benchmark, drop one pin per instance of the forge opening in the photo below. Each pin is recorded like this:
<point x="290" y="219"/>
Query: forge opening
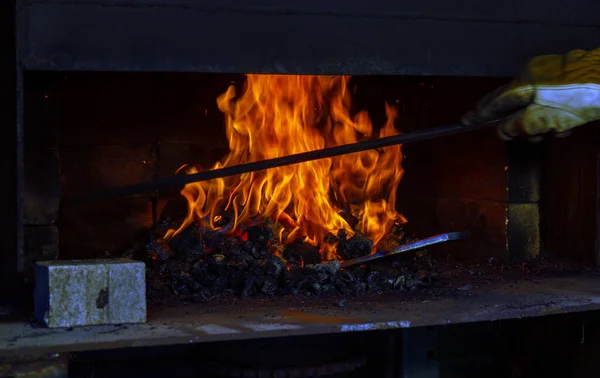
<point x="311" y="202"/>
<point x="284" y="230"/>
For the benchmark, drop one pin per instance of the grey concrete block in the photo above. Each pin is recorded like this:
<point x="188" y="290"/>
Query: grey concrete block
<point x="90" y="292"/>
<point x="127" y="293"/>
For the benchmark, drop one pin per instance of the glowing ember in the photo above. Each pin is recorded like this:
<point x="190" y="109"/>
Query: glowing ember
<point x="279" y="115"/>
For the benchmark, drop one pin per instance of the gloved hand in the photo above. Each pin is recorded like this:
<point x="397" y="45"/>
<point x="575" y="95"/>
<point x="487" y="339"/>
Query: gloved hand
<point x="555" y="93"/>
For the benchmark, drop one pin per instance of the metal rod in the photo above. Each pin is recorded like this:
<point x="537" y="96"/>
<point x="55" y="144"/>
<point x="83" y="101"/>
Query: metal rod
<point x="179" y="181"/>
<point x="408" y="247"/>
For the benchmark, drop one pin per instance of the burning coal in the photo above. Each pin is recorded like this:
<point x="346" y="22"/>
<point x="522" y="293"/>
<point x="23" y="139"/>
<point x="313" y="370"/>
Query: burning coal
<point x="279" y="115"/>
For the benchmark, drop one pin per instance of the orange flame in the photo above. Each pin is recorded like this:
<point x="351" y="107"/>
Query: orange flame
<point x="279" y="115"/>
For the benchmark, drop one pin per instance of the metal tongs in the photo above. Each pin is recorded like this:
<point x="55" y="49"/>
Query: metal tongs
<point x="442" y="238"/>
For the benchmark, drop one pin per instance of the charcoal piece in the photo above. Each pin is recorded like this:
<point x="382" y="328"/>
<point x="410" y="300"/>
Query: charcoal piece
<point x="299" y="253"/>
<point x="342" y="235"/>
<point x="312" y="257"/>
<point x="396" y="238"/>
<point x="269" y="287"/>
<point x="314" y="287"/>
<point x="202" y="296"/>
<point x="415" y="284"/>
<point x="357" y="246"/>
<point x="159" y="249"/>
<point x="259" y="251"/>
<point x="310" y="283"/>
<point x="236" y="281"/>
<point x="291" y="279"/>
<point x="217" y="264"/>
<point x="372" y="279"/>
<point x="200" y="268"/>
<point x="211" y="238"/>
<point x="386" y="278"/>
<point x="179" y="286"/>
<point x="175" y="268"/>
<point x="275" y="266"/>
<point x="347" y="282"/>
<point x="348" y="217"/>
<point x="203" y="274"/>
<point x="247" y="246"/>
<point x="329" y="267"/>
<point x="249" y="287"/>
<point x="220" y="285"/>
<point x="399" y="283"/>
<point x="179" y="273"/>
<point x="236" y="250"/>
<point x="260" y="235"/>
<point x="306" y="279"/>
<point x="239" y="261"/>
<point x="188" y="243"/>
<point x="255" y="249"/>
<point x="330" y="238"/>
<point x="224" y="246"/>
<point x="194" y="286"/>
<point x="271" y="266"/>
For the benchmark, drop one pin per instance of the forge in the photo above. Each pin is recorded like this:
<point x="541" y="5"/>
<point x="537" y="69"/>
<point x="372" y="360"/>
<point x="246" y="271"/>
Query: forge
<point x="283" y="230"/>
<point x="101" y="105"/>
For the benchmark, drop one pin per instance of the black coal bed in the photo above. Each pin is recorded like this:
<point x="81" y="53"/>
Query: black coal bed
<point x="101" y="104"/>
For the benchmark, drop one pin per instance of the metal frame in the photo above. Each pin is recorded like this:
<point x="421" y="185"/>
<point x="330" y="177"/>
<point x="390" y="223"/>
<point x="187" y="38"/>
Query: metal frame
<point x="293" y="36"/>
<point x="12" y="159"/>
<point x="420" y="353"/>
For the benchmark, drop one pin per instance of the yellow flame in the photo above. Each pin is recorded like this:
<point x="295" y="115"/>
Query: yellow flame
<point x="279" y="115"/>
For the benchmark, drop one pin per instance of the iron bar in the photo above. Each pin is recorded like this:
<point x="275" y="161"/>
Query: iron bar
<point x="182" y="180"/>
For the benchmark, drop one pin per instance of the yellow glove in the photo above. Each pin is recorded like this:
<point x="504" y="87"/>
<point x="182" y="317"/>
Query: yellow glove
<point x="555" y="93"/>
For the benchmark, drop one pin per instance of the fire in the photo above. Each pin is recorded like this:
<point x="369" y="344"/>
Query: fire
<point x="279" y="115"/>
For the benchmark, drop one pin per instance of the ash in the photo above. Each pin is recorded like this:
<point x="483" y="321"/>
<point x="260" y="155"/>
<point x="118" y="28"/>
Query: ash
<point x="200" y="264"/>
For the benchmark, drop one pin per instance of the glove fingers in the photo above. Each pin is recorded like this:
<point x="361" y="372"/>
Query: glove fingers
<point x="563" y="134"/>
<point x="499" y="104"/>
<point x="536" y="120"/>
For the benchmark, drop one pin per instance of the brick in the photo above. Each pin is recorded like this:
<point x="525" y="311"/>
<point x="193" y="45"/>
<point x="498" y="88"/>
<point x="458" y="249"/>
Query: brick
<point x="42" y="118"/>
<point x="41" y="188"/>
<point x="40" y="244"/>
<point x="471" y="165"/>
<point x="105" y="229"/>
<point x="118" y="108"/>
<point x="171" y="209"/>
<point x="420" y="213"/>
<point x="87" y="169"/>
<point x="189" y="111"/>
<point x="524" y="171"/>
<point x="90" y="292"/>
<point x="485" y="221"/>
<point x="523" y="230"/>
<point x="110" y="108"/>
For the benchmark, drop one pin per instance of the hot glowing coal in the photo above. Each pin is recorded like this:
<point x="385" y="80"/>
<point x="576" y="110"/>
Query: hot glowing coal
<point x="279" y="115"/>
